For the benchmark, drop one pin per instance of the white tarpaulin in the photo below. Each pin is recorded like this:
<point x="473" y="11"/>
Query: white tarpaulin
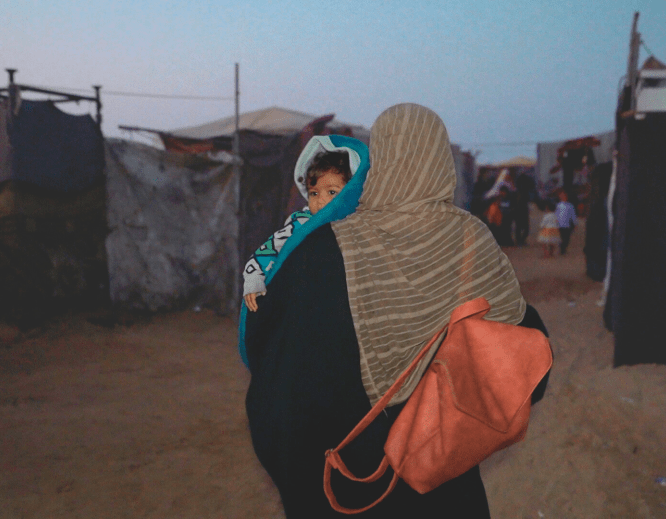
<point x="173" y="228"/>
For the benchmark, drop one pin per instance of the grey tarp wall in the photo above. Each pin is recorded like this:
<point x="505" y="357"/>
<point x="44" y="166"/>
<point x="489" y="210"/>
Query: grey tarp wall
<point x="636" y="301"/>
<point x="173" y="228"/>
<point x="182" y="227"/>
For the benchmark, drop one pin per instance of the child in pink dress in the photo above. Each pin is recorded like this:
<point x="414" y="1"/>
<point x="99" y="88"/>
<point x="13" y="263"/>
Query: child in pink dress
<point x="549" y="234"/>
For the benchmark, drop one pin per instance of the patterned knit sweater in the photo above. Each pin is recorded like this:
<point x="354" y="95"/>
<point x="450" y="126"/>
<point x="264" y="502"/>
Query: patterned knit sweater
<point x="263" y="259"/>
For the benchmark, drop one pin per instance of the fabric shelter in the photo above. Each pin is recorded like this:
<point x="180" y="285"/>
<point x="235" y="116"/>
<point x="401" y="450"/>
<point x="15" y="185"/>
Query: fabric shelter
<point x="636" y="301"/>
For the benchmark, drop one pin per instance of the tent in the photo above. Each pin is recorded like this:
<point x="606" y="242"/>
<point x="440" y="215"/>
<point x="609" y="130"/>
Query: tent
<point x="182" y="224"/>
<point x="269" y="121"/>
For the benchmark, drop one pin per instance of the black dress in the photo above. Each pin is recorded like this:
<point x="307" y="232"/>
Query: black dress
<point x="306" y="395"/>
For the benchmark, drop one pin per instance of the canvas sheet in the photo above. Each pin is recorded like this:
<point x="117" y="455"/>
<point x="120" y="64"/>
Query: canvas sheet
<point x="173" y="229"/>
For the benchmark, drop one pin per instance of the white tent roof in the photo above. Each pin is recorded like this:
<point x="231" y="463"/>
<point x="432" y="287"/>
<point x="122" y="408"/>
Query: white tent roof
<point x="520" y="161"/>
<point x="273" y="120"/>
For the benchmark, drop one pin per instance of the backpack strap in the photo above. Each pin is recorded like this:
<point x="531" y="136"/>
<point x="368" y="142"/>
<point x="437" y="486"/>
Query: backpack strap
<point x="333" y="459"/>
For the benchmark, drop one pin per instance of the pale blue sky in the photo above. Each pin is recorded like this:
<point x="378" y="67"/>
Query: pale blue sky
<point x="527" y="70"/>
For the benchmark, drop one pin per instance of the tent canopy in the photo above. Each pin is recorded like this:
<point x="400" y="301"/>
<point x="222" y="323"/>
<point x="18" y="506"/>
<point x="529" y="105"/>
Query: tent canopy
<point x="517" y="162"/>
<point x="273" y="120"/>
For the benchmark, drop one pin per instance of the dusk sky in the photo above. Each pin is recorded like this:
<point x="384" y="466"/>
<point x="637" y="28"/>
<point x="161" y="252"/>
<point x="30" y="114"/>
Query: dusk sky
<point x="524" y="71"/>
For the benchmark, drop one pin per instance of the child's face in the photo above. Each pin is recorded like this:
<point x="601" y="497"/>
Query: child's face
<point x="327" y="187"/>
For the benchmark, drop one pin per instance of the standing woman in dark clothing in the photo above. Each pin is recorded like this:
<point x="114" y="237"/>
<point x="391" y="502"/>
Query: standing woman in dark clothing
<point x="352" y="305"/>
<point x="522" y="212"/>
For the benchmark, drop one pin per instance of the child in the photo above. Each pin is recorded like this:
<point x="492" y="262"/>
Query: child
<point x="493" y="216"/>
<point x="566" y="218"/>
<point x="549" y="235"/>
<point x="319" y="180"/>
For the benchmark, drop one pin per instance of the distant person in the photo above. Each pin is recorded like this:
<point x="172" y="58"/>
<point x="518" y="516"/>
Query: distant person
<point x="320" y="175"/>
<point x="549" y="233"/>
<point x="506" y="206"/>
<point x="524" y="184"/>
<point x="566" y="219"/>
<point x="493" y="218"/>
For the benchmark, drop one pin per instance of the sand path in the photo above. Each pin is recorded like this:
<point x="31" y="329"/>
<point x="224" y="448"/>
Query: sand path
<point x="147" y="420"/>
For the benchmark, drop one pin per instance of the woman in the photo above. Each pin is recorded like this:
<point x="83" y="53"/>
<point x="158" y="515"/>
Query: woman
<point x="349" y="309"/>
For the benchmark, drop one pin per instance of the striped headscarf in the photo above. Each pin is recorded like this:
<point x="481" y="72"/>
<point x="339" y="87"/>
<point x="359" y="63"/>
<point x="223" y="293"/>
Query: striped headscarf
<point x="410" y="255"/>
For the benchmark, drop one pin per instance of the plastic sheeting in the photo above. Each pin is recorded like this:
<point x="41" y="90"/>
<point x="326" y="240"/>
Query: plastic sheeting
<point x="174" y="229"/>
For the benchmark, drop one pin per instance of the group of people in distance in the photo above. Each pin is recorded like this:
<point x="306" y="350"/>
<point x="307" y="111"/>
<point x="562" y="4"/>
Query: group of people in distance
<point x="339" y="302"/>
<point x="507" y="203"/>
<point x="506" y="211"/>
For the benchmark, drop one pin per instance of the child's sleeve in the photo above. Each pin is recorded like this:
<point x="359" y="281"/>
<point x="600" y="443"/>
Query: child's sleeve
<point x="263" y="259"/>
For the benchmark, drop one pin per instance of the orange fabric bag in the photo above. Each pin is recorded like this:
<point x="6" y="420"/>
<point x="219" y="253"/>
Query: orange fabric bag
<point x="473" y="400"/>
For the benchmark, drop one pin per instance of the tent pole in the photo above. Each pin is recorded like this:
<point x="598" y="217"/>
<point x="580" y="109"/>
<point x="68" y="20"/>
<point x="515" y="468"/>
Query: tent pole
<point x="236" y="149"/>
<point x="236" y="290"/>
<point x="632" y="65"/>
<point x="98" y="104"/>
<point x="12" y="92"/>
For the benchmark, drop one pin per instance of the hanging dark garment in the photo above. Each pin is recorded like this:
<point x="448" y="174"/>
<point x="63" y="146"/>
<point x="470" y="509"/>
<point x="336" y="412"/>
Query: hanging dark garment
<point x="596" y="227"/>
<point x="55" y="150"/>
<point x="636" y="302"/>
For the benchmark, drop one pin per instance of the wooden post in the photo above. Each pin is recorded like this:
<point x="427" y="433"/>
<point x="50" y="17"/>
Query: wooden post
<point x="98" y="103"/>
<point x="236" y="289"/>
<point x="12" y="91"/>
<point x="236" y="144"/>
<point x="632" y="64"/>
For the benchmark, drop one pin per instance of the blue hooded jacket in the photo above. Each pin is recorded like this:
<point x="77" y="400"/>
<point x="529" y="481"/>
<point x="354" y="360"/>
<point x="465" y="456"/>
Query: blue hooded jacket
<point x="341" y="206"/>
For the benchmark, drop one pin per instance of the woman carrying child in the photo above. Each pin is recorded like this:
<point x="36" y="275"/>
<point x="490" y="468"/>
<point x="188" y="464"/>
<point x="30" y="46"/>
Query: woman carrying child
<point x="352" y="305"/>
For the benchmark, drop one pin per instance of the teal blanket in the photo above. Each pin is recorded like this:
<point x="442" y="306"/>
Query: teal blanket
<point x="340" y="207"/>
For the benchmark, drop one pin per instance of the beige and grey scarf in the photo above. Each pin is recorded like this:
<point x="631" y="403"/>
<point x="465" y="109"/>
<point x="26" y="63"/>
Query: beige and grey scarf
<point x="410" y="255"/>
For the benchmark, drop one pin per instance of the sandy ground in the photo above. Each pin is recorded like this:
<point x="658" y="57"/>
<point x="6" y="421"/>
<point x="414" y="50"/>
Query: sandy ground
<point x="145" y="418"/>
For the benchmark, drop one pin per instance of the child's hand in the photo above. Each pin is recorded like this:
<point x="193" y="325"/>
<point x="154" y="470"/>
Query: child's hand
<point x="251" y="301"/>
